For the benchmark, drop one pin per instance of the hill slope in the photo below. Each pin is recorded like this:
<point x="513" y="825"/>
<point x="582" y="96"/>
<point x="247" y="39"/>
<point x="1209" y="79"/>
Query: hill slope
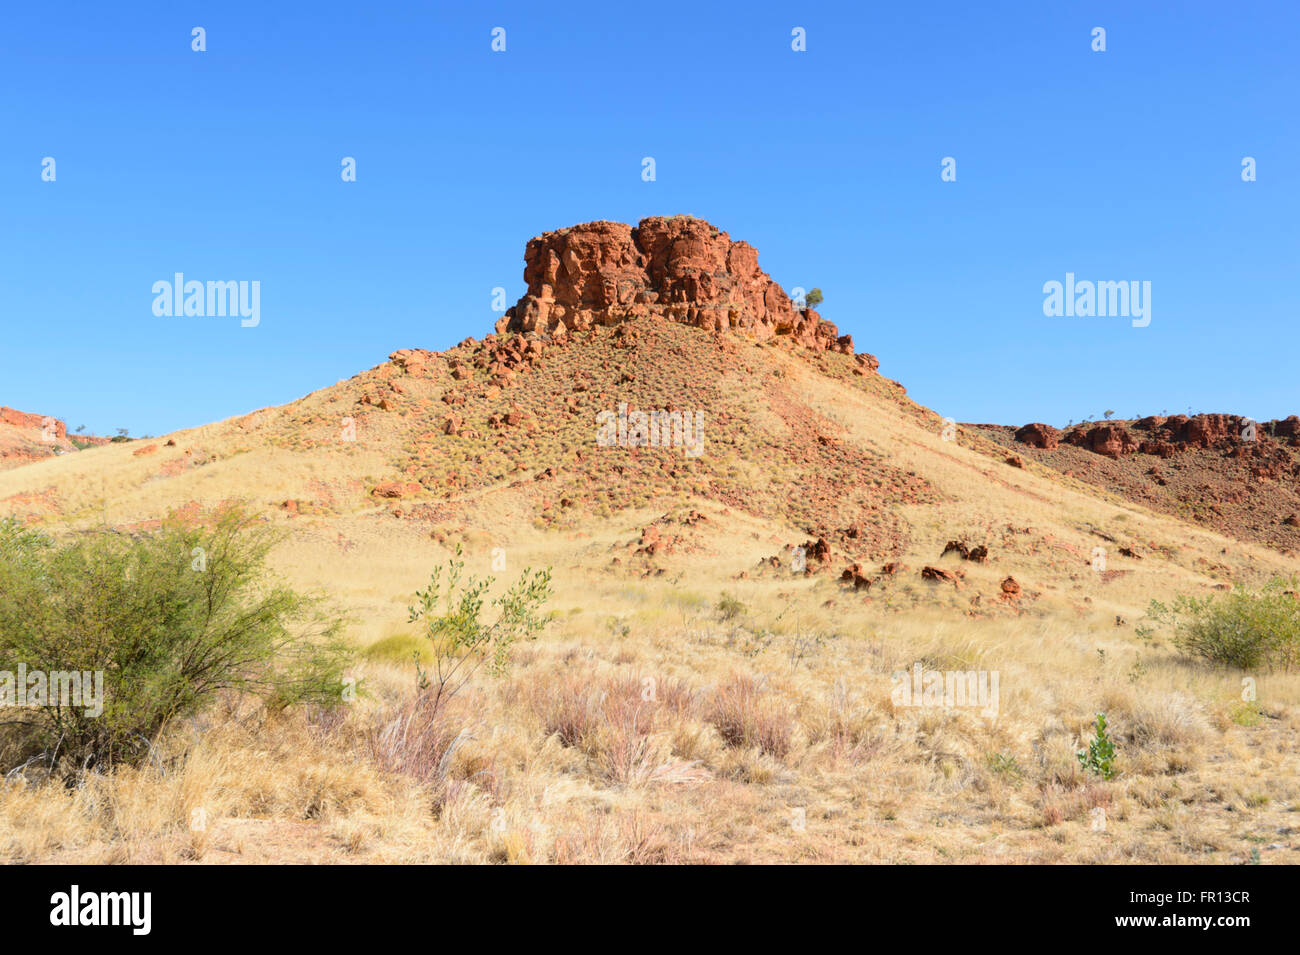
<point x="811" y="492"/>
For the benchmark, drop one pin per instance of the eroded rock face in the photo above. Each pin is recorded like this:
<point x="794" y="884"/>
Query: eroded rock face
<point x="1165" y="437"/>
<point x="676" y="268"/>
<point x="1111" y="440"/>
<point x="1039" y="435"/>
<point x="36" y="423"/>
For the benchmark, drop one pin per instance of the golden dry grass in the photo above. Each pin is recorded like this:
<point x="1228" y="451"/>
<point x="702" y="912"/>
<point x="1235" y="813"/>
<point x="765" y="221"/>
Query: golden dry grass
<point x="642" y="728"/>
<point x="672" y="744"/>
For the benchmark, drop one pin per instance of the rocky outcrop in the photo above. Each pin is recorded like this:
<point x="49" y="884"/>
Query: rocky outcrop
<point x="1110" y="440"/>
<point x="1165" y="437"/>
<point x="39" y="424"/>
<point x="676" y="268"/>
<point x="1039" y="435"/>
<point x="26" y="437"/>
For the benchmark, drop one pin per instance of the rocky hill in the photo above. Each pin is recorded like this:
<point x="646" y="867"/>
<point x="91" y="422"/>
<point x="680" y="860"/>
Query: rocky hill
<point x="1228" y="472"/>
<point x="743" y="512"/>
<point x="654" y="388"/>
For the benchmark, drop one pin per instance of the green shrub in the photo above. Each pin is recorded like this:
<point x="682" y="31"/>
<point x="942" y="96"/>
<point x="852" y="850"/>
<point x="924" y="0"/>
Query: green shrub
<point x="462" y="643"/>
<point x="1099" y="757"/>
<point x="1244" y="629"/>
<point x="169" y="618"/>
<point x="729" y="607"/>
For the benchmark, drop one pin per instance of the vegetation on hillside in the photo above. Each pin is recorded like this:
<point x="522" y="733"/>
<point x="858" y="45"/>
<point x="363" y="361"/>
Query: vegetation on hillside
<point x="169" y="618"/>
<point x="1245" y="628"/>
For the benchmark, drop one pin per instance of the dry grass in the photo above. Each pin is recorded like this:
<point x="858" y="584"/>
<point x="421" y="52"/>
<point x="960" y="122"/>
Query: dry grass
<point x="640" y="728"/>
<point x="578" y="758"/>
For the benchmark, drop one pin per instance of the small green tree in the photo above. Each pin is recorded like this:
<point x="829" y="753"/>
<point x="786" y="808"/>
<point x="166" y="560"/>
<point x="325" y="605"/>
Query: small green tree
<point x="1243" y="629"/>
<point x="1099" y="757"/>
<point x="814" y="298"/>
<point x="461" y="642"/>
<point x="167" y="619"/>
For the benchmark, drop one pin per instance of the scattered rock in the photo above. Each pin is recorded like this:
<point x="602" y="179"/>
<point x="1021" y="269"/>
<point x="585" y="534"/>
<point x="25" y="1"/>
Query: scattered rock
<point x="853" y="575"/>
<point x="938" y="573"/>
<point x="959" y="546"/>
<point x="396" y="489"/>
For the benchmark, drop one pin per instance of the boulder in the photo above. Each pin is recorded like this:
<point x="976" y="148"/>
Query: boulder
<point x="1039" y="435"/>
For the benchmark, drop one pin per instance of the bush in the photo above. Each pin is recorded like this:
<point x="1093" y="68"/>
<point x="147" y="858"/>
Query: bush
<point x="460" y="642"/>
<point x="729" y="607"/>
<point x="1244" y="629"/>
<point x="1099" y="757"/>
<point x="169" y="619"/>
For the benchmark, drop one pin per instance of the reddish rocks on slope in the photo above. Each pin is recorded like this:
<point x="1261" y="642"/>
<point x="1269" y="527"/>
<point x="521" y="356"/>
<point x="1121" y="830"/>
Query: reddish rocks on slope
<point x="396" y="489"/>
<point x="1110" y="440"/>
<point x="678" y="268"/>
<point x="963" y="551"/>
<point x="939" y="574"/>
<point x="854" y="575"/>
<point x="1287" y="428"/>
<point x="1165" y="437"/>
<point x="33" y="422"/>
<point x="1038" y="435"/>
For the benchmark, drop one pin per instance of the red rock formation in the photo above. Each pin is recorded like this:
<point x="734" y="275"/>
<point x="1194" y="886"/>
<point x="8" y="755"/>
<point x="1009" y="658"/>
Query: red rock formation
<point x="1111" y="440"/>
<point x="1287" y="428"/>
<point x="1038" y="435"/>
<point x="677" y="268"/>
<point x="1165" y="437"/>
<point x="32" y="422"/>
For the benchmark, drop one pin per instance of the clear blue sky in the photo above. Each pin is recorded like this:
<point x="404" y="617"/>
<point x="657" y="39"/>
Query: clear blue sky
<point x="226" y="165"/>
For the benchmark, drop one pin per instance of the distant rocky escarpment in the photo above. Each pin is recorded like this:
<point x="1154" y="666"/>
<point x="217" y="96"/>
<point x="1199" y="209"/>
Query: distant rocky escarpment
<point x="1164" y="437"/>
<point x="1238" y="476"/>
<point x="677" y="268"/>
<point x="27" y="437"/>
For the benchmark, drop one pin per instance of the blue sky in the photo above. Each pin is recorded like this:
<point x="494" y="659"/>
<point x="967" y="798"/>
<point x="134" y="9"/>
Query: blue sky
<point x="1122" y="165"/>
